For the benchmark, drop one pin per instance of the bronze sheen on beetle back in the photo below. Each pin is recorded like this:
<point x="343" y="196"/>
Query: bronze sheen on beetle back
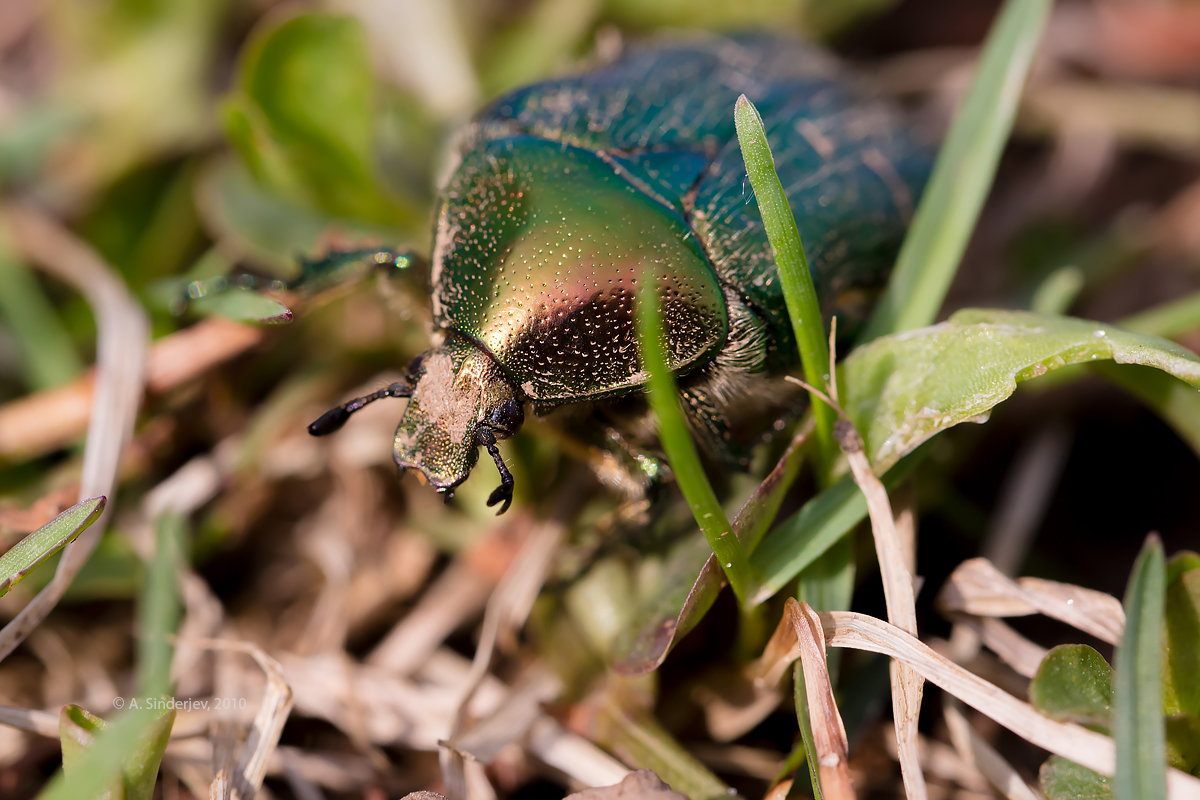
<point x="568" y="194"/>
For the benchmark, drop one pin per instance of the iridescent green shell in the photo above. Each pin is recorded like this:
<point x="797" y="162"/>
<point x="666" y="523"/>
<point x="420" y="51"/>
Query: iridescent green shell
<point x="567" y="191"/>
<point x="540" y="250"/>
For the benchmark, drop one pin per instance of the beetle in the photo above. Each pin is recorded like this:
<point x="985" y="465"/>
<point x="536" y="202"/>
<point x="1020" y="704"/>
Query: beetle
<point x="568" y="193"/>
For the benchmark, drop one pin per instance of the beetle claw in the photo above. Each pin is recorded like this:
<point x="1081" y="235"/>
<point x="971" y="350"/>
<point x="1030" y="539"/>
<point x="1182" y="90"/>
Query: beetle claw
<point x="503" y="492"/>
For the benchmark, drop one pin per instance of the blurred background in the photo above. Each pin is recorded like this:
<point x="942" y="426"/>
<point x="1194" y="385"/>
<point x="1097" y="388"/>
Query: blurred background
<point x="162" y="142"/>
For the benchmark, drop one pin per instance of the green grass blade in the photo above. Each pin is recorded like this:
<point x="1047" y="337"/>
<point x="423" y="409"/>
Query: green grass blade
<point x="1138" y="725"/>
<point x="962" y="174"/>
<point x="47" y="540"/>
<point x="794" y="277"/>
<point x="804" y="722"/>
<point x="158" y="610"/>
<point x="125" y="753"/>
<point x="681" y="450"/>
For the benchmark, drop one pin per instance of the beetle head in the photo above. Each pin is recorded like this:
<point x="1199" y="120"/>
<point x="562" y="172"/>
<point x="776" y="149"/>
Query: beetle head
<point x="460" y="401"/>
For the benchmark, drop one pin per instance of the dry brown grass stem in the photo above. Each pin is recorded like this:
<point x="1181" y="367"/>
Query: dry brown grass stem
<point x="122" y="331"/>
<point x="894" y="552"/>
<point x="1087" y="748"/>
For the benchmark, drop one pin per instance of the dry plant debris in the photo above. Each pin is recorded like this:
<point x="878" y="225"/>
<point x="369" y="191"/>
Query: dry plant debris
<point x="343" y="635"/>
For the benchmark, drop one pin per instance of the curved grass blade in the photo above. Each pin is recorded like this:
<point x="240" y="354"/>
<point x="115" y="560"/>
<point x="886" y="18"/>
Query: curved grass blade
<point x="961" y="175"/>
<point x="47" y="540"/>
<point x="681" y="450"/>
<point x="794" y="277"/>
<point x="1138" y="726"/>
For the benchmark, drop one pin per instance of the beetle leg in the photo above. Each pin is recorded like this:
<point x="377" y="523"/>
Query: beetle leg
<point x="335" y="418"/>
<point x="503" y="492"/>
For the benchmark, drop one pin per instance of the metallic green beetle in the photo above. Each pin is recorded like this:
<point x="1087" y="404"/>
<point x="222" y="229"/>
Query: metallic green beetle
<point x="569" y="193"/>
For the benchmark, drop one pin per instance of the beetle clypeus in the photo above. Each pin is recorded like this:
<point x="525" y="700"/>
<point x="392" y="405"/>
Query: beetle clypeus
<point x="568" y="193"/>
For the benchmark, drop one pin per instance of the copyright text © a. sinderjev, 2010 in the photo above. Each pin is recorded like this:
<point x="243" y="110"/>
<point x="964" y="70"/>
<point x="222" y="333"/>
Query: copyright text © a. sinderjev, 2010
<point x="179" y="703"/>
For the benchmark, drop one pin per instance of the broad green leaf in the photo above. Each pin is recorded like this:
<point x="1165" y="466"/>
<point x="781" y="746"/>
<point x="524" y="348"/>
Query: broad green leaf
<point x="35" y="548"/>
<point x="1074" y="684"/>
<point x="304" y="113"/>
<point x="1061" y="779"/>
<point x="1138" y="725"/>
<point x="962" y="175"/>
<point x="268" y="228"/>
<point x="902" y="389"/>
<point x="1181" y="667"/>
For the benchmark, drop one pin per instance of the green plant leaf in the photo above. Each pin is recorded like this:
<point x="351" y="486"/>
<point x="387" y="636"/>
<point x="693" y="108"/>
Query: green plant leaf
<point x="77" y="731"/>
<point x="902" y="389"/>
<point x="1138" y="726"/>
<point x="304" y="113"/>
<point x="242" y="305"/>
<point x="1181" y="659"/>
<point x="102" y="761"/>
<point x="47" y="540"/>
<point x="158" y="609"/>
<point x="265" y="227"/>
<point x="1074" y="684"/>
<point x="1061" y="779"/>
<point x="962" y="174"/>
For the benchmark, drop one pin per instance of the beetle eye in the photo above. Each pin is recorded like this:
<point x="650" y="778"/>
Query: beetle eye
<point x="506" y="417"/>
<point x="414" y="366"/>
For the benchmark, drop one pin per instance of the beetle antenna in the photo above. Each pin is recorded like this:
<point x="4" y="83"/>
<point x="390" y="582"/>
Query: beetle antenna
<point x="503" y="492"/>
<point x="335" y="418"/>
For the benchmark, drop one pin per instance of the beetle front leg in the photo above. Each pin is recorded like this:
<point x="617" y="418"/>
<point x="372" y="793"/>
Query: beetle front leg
<point x="503" y="492"/>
